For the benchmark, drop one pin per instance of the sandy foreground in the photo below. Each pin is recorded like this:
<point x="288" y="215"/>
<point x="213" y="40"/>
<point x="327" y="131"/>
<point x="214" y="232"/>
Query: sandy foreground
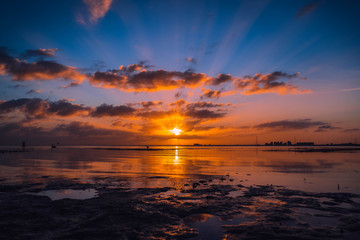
<point x="205" y="209"/>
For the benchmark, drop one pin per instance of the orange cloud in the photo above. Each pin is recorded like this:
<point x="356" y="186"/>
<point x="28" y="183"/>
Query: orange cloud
<point x="108" y="80"/>
<point x="208" y="93"/>
<point x="150" y="104"/>
<point x="2" y="69"/>
<point x="137" y="78"/>
<point x="97" y="8"/>
<point x="40" y="70"/>
<point x="268" y="83"/>
<point x="220" y="79"/>
<point x="33" y="91"/>
<point x="106" y="110"/>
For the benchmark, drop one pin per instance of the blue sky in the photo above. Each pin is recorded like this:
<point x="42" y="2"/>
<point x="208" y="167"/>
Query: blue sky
<point x="236" y="37"/>
<point x="318" y="39"/>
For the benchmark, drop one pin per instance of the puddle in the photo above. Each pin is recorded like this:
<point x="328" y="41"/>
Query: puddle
<point x="270" y="201"/>
<point x="69" y="193"/>
<point x="210" y="226"/>
<point x="235" y="194"/>
<point x="317" y="217"/>
<point x="173" y="193"/>
<point x="192" y="200"/>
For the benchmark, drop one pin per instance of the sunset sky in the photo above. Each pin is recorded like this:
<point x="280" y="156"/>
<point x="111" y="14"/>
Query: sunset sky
<point x="115" y="72"/>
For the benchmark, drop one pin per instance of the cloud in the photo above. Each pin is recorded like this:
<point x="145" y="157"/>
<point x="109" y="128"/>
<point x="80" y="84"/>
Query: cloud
<point x="206" y="105"/>
<point x="207" y="93"/>
<point x="73" y="133"/>
<point x="38" y="108"/>
<point x="306" y="9"/>
<point x="32" y="107"/>
<point x="31" y="91"/>
<point x="268" y="83"/>
<point x="180" y="94"/>
<point x="221" y="78"/>
<point x="352" y="130"/>
<point x="17" y="86"/>
<point x="187" y="111"/>
<point x="146" y="119"/>
<point x="297" y="125"/>
<point x="68" y="99"/>
<point x="41" y="52"/>
<point x="83" y="129"/>
<point x="150" y="104"/>
<point x="108" y="80"/>
<point x="195" y="125"/>
<point x="291" y="124"/>
<point x="154" y="115"/>
<point x="138" y="78"/>
<point x="191" y="60"/>
<point x="161" y="79"/>
<point x="204" y="114"/>
<point x="65" y="108"/>
<point x="97" y="8"/>
<point x="106" y="110"/>
<point x="193" y="111"/>
<point x="40" y="70"/>
<point x="326" y="127"/>
<point x="178" y="103"/>
<point x="18" y="130"/>
<point x="141" y="78"/>
<point x="35" y="108"/>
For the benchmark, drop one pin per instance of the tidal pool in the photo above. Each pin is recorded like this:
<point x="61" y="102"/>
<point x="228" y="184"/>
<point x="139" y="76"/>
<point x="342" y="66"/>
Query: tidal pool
<point x="69" y="193"/>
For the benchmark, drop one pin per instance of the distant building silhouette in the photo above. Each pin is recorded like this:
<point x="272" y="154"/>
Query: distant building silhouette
<point x="289" y="143"/>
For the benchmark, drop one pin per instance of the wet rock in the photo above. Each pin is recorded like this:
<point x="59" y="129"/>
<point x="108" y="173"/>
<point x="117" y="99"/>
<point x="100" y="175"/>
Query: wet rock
<point x="158" y="213"/>
<point x="10" y="188"/>
<point x="259" y="191"/>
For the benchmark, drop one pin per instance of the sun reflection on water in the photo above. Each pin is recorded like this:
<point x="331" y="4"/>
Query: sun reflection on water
<point x="176" y="157"/>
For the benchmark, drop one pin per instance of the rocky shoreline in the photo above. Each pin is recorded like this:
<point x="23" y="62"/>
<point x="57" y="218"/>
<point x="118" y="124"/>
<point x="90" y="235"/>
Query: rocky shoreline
<point x="186" y="212"/>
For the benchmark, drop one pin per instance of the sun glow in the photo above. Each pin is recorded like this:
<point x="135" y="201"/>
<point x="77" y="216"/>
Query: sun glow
<point x="175" y="131"/>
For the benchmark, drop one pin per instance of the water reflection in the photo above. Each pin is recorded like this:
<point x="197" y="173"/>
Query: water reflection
<point x="183" y="165"/>
<point x="210" y="226"/>
<point x="69" y="193"/>
<point x="176" y="158"/>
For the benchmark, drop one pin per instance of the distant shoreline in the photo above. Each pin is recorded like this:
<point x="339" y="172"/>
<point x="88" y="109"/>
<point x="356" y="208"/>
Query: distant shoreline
<point x="266" y="148"/>
<point x="193" y="145"/>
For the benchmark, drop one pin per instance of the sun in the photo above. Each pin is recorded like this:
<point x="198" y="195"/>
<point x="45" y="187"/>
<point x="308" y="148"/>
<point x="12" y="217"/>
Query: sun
<point x="176" y="131"/>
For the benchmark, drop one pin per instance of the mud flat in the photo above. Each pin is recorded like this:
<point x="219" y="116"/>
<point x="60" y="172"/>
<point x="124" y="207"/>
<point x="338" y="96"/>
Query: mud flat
<point x="102" y="210"/>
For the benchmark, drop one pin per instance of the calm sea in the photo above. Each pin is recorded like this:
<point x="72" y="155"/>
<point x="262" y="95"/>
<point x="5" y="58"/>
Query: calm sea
<point x="173" y="166"/>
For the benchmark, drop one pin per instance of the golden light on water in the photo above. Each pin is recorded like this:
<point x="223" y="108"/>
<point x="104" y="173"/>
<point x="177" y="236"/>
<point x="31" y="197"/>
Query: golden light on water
<point x="176" y="131"/>
<point x="176" y="158"/>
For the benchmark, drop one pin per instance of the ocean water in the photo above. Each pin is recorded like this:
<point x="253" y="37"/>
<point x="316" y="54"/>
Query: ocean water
<point x="178" y="166"/>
